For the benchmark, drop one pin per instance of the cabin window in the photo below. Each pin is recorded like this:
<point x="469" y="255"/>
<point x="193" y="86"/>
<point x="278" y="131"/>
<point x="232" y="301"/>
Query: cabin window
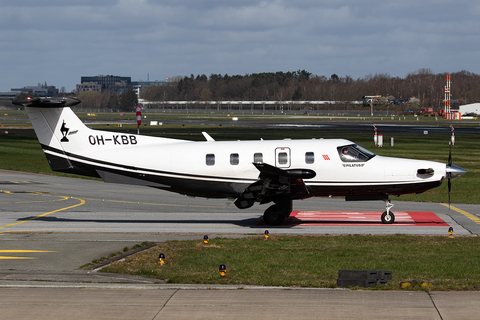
<point x="309" y="157"/>
<point x="282" y="158"/>
<point x="258" y="157"/>
<point x="234" y="159"/>
<point x="210" y="159"/>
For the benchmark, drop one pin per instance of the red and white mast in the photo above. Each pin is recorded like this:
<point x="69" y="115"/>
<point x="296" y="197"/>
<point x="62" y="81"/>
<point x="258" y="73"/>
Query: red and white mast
<point x="138" y="111"/>
<point x="447" y="97"/>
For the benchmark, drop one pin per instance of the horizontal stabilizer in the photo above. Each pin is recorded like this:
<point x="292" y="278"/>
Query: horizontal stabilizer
<point x="47" y="102"/>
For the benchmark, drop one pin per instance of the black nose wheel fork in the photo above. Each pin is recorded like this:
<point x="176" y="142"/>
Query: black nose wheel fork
<point x="388" y="217"/>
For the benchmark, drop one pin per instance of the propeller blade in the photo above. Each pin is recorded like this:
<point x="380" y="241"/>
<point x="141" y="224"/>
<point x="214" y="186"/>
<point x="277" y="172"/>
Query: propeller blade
<point x="449" y="163"/>
<point x="452" y="171"/>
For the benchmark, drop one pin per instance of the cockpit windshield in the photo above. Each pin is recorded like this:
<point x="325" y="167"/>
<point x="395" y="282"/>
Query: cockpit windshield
<point x="354" y="153"/>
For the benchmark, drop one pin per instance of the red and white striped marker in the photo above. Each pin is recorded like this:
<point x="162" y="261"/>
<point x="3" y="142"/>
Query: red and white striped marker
<point x="138" y="109"/>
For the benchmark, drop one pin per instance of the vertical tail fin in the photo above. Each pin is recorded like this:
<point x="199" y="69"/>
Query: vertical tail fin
<point x="54" y="124"/>
<point x="51" y="119"/>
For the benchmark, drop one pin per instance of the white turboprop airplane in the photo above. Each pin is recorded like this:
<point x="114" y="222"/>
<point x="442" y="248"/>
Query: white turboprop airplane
<point x="262" y="171"/>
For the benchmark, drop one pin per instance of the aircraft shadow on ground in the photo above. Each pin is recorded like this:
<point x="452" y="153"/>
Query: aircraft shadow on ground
<point x="256" y="222"/>
<point x="251" y="222"/>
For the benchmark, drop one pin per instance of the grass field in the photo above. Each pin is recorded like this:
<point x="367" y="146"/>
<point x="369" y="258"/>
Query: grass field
<point x="312" y="261"/>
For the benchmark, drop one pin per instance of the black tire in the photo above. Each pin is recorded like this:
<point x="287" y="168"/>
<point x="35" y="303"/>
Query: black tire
<point x="385" y="220"/>
<point x="272" y="217"/>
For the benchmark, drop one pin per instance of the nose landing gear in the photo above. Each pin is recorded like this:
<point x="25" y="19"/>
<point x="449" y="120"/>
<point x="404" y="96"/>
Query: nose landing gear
<point x="388" y="217"/>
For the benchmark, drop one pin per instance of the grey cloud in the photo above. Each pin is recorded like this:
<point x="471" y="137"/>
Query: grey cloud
<point x="59" y="41"/>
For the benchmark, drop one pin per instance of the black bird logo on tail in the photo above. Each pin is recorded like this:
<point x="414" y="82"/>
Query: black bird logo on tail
<point x="64" y="131"/>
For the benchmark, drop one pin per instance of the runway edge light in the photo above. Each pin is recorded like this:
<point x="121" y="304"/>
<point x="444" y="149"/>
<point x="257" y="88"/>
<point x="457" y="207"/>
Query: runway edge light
<point x="161" y="259"/>
<point x="406" y="284"/>
<point x="222" y="270"/>
<point x="450" y="233"/>
<point x="428" y="283"/>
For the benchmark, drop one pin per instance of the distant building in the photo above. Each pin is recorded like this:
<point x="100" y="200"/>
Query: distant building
<point x="138" y="86"/>
<point x="8" y="95"/>
<point x="111" y="83"/>
<point x="41" y="91"/>
<point x="89" y="86"/>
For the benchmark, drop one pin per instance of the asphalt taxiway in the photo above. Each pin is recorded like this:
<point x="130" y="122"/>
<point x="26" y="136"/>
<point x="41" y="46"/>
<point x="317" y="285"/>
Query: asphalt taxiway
<point x="47" y="203"/>
<point x="50" y="226"/>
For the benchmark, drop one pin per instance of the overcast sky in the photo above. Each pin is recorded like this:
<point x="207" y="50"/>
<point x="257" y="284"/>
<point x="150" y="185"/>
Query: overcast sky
<point x="59" y="41"/>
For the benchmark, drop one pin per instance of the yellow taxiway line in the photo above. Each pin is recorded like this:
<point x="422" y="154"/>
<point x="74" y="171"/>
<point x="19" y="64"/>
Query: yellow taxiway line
<point x="82" y="202"/>
<point x="20" y="251"/>
<point x="465" y="213"/>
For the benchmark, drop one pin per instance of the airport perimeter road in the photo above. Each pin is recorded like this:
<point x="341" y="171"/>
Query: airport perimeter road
<point x="49" y="303"/>
<point x="44" y="203"/>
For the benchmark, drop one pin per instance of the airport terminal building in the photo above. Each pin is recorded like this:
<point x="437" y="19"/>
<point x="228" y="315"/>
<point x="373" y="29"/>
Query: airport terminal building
<point x="99" y="83"/>
<point x="40" y="91"/>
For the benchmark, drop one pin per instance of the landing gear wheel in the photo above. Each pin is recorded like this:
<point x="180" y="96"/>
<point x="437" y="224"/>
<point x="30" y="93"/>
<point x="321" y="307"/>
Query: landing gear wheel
<point x="272" y="217"/>
<point x="388" y="217"/>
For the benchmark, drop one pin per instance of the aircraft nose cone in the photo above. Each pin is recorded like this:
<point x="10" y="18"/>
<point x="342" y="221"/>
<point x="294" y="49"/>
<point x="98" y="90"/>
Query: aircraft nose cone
<point x="454" y="171"/>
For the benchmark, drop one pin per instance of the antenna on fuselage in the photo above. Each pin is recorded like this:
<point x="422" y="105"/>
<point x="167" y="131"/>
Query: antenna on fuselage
<point x="207" y="136"/>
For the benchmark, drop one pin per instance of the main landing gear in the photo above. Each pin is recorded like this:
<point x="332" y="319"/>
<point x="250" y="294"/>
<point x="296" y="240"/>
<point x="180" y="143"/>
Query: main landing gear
<point x="276" y="213"/>
<point x="388" y="217"/>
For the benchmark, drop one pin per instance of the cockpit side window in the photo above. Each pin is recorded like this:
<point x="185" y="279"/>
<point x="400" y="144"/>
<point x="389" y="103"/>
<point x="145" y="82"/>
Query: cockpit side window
<point x="354" y="153"/>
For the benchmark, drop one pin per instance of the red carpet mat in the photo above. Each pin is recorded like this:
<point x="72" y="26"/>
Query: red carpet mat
<point x="363" y="218"/>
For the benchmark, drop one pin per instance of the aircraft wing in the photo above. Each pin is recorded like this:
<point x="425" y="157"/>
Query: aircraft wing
<point x="276" y="184"/>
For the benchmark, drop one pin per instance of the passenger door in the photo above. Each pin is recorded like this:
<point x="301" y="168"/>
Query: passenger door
<point x="282" y="157"/>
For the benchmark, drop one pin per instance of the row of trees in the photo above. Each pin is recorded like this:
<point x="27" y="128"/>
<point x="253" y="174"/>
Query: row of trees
<point x="423" y="88"/>
<point x="424" y="85"/>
